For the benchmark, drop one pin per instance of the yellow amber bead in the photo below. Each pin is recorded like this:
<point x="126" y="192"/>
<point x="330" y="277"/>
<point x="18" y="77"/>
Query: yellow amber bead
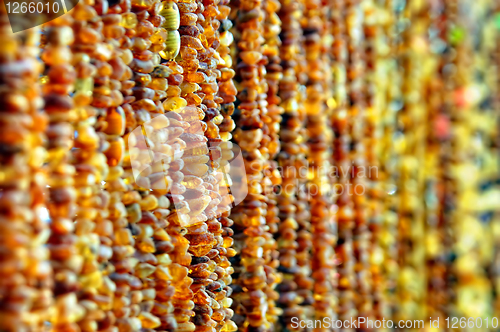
<point x="173" y="45"/>
<point x="129" y="20"/>
<point x="175" y="104"/>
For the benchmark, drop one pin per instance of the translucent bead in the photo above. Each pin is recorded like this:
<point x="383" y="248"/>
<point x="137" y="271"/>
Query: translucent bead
<point x="230" y="326"/>
<point x="158" y="84"/>
<point x="173" y="45"/>
<point x="175" y="104"/>
<point x="149" y="320"/>
<point x="116" y="121"/>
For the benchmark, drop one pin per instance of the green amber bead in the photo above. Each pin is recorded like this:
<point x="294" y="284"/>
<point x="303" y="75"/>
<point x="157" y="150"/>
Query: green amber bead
<point x="84" y="85"/>
<point x="173" y="45"/>
<point x="456" y="35"/>
<point x="161" y="72"/>
<point x="171" y="14"/>
<point x="497" y="21"/>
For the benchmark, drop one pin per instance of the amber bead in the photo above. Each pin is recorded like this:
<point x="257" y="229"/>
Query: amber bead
<point x="170" y="12"/>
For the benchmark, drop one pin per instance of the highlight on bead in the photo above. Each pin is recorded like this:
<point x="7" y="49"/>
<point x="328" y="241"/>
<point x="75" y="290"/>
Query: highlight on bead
<point x="151" y="149"/>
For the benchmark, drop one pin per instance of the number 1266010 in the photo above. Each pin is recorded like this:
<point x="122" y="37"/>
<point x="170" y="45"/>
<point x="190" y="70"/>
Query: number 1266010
<point x="33" y="7"/>
<point x="477" y="322"/>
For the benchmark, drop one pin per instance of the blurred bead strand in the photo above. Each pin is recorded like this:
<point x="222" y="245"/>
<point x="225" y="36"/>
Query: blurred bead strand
<point x="486" y="124"/>
<point x="271" y="146"/>
<point x="496" y="145"/>
<point x="496" y="61"/>
<point x="26" y="273"/>
<point x="113" y="97"/>
<point x="356" y="91"/>
<point x="437" y="133"/>
<point x="381" y="120"/>
<point x="90" y="55"/>
<point x="302" y="214"/>
<point x="124" y="210"/>
<point x="447" y="197"/>
<point x="66" y="260"/>
<point x="314" y="28"/>
<point x="411" y="147"/>
<point x="388" y="161"/>
<point x="292" y="160"/>
<point x="469" y="284"/>
<point x="253" y="242"/>
<point x="289" y="159"/>
<point x="375" y="99"/>
<point x="342" y="163"/>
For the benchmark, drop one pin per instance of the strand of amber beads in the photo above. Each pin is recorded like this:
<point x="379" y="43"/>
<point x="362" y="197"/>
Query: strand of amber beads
<point x="341" y="161"/>
<point x="469" y="287"/>
<point x="253" y="241"/>
<point x="213" y="313"/>
<point x="26" y="273"/>
<point x="410" y="146"/>
<point x="495" y="50"/>
<point x="436" y="277"/>
<point x="66" y="259"/>
<point x="177" y="293"/>
<point x="90" y="164"/>
<point x="210" y="267"/>
<point x="315" y="28"/>
<point x="203" y="196"/>
<point x="108" y="121"/>
<point x="144" y="283"/>
<point x="294" y="240"/>
<point x="222" y="313"/>
<point x="199" y="85"/>
<point x="356" y="113"/>
<point x="112" y="95"/>
<point x="298" y="62"/>
<point x="387" y="173"/>
<point x="173" y="302"/>
<point x="270" y="145"/>
<point x="487" y="123"/>
<point x="227" y="92"/>
<point x="375" y="46"/>
<point x="272" y="43"/>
